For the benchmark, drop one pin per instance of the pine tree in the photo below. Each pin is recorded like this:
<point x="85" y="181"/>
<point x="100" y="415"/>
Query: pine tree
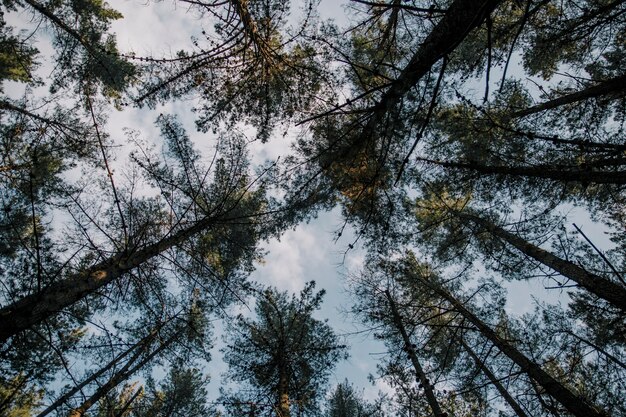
<point x="284" y="355"/>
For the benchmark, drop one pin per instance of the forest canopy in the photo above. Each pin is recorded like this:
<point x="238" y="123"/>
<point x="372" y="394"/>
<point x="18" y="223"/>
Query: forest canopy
<point x="463" y="146"/>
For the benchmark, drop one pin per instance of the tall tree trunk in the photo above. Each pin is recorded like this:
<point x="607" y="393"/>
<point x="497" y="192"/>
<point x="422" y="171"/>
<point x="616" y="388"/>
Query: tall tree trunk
<point x="614" y="293"/>
<point x="138" y="348"/>
<point x="613" y="87"/>
<point x="37" y="307"/>
<point x="550" y="172"/>
<point x="251" y="30"/>
<point x="556" y="389"/>
<point x="122" y="375"/>
<point x="494" y="381"/>
<point x="419" y="371"/>
<point x="460" y="19"/>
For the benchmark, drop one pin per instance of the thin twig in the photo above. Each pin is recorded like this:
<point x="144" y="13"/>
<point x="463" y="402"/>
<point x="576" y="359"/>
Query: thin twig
<point x="433" y="103"/>
<point x="604" y="258"/>
<point x="109" y="172"/>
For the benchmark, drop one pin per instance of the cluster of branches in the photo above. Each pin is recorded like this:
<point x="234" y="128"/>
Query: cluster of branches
<point x="476" y="189"/>
<point x="128" y="270"/>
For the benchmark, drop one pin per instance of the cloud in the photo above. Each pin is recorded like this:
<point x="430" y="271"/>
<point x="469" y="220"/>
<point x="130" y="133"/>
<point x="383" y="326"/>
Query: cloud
<point x="291" y="260"/>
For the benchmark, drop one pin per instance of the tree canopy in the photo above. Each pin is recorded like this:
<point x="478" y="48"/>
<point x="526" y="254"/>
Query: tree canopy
<point x="467" y="146"/>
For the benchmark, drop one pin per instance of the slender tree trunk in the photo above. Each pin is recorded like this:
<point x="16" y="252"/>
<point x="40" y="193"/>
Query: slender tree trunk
<point x="138" y="348"/>
<point x="122" y="375"/>
<point x="37" y="307"/>
<point x="251" y="29"/>
<point x="556" y="389"/>
<point x="494" y="381"/>
<point x="129" y="402"/>
<point x="612" y="87"/>
<point x="66" y="28"/>
<point x="564" y="174"/>
<point x="419" y="371"/>
<point x="614" y="293"/>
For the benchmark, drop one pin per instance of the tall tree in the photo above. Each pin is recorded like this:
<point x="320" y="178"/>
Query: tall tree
<point x="570" y="400"/>
<point x="344" y="401"/>
<point x="285" y="354"/>
<point x="182" y="393"/>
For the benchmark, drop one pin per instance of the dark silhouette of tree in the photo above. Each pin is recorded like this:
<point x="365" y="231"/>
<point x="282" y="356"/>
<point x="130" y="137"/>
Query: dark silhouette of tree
<point x="345" y="401"/>
<point x="399" y="120"/>
<point x="284" y="355"/>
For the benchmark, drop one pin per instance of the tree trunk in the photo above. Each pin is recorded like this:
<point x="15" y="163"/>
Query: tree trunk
<point x="419" y="371"/>
<point x="119" y="377"/>
<point x="138" y="348"/>
<point x="564" y="174"/>
<point x="461" y="18"/>
<point x="283" y="395"/>
<point x="612" y="87"/>
<point x="494" y="381"/>
<point x="558" y="391"/>
<point x="132" y="399"/>
<point x="67" y="29"/>
<point x="34" y="308"/>
<point x="613" y="293"/>
<point x="251" y="29"/>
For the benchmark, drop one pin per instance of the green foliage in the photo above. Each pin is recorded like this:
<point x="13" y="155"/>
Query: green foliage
<point x="344" y="401"/>
<point x="402" y="124"/>
<point x="18" y="398"/>
<point x="182" y="393"/>
<point x="17" y="59"/>
<point x="285" y="351"/>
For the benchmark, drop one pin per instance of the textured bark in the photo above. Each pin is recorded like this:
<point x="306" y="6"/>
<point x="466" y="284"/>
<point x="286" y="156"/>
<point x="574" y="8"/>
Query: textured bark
<point x="549" y="172"/>
<point x="613" y="88"/>
<point x="494" y="381"/>
<point x="419" y="371"/>
<point x="283" y="394"/>
<point x="251" y="29"/>
<point x="614" y="293"/>
<point x="556" y="389"/>
<point x="35" y="308"/>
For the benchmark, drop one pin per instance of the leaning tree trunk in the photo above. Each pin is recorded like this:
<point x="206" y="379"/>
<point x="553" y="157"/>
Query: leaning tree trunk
<point x="460" y="19"/>
<point x="419" y="371"/>
<point x="136" y="350"/>
<point x="252" y="31"/>
<point x="494" y="381"/>
<point x="61" y="400"/>
<point x="613" y="87"/>
<point x="37" y="307"/>
<point x="602" y="287"/>
<point x="553" y="387"/>
<point x="122" y="375"/>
